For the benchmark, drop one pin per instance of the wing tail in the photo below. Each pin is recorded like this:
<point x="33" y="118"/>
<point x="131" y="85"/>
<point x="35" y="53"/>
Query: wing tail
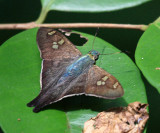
<point x="34" y="101"/>
<point x="39" y="102"/>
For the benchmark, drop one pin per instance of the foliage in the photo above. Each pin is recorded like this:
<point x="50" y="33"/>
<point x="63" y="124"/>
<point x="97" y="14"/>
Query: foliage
<point x="147" y="54"/>
<point x="20" y="68"/>
<point x="22" y="80"/>
<point x="85" y="6"/>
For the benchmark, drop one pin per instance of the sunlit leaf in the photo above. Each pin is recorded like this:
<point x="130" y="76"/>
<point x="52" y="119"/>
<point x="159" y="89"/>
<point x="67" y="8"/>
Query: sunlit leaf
<point x="148" y="54"/>
<point x="89" y="5"/>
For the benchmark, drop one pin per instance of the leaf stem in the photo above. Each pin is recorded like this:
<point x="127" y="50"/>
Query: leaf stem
<point x="72" y="25"/>
<point x="44" y="12"/>
<point x="42" y="16"/>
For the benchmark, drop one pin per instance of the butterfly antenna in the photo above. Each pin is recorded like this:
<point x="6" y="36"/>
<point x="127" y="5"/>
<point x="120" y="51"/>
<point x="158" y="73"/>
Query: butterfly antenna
<point x="95" y="37"/>
<point x="126" y="52"/>
<point x="113" y="53"/>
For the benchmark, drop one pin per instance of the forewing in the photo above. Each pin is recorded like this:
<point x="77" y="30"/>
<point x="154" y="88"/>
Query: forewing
<point x="57" y="53"/>
<point x="54" y="45"/>
<point x="102" y="84"/>
<point x="52" y="71"/>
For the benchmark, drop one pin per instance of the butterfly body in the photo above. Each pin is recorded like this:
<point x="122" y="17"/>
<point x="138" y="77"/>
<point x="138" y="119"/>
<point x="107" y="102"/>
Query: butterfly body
<point x="77" y="67"/>
<point x="65" y="72"/>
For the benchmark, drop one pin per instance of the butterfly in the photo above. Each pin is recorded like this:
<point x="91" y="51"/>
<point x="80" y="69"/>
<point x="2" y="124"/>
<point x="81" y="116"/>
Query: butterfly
<point x="65" y="72"/>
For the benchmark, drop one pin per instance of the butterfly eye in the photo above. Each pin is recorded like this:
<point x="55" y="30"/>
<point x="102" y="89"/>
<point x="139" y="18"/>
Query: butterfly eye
<point x="96" y="57"/>
<point x="90" y="52"/>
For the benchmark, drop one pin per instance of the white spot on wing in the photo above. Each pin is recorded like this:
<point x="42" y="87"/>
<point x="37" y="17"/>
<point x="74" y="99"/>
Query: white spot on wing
<point x="55" y="43"/>
<point x="99" y="82"/>
<point x="52" y="32"/>
<point x="55" y="46"/>
<point x="115" y="85"/>
<point x="104" y="78"/>
<point x="61" y="42"/>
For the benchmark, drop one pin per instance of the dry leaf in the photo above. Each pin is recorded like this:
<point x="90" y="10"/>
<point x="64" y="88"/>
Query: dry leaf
<point x="131" y="119"/>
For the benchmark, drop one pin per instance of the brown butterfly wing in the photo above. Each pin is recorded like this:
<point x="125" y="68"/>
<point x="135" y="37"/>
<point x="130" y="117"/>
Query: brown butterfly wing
<point x="95" y="82"/>
<point x="55" y="59"/>
<point x="57" y="53"/>
<point x="102" y="84"/>
<point x="52" y="71"/>
<point x="54" y="45"/>
<point x="77" y="87"/>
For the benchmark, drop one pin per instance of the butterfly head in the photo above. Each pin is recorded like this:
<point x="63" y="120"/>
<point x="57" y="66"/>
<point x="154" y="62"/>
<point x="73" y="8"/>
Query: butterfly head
<point x="94" y="54"/>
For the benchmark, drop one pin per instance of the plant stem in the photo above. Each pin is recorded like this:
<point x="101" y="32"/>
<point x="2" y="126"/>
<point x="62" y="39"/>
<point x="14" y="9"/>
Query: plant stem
<point x="72" y="25"/>
<point x="44" y="12"/>
<point x="42" y="16"/>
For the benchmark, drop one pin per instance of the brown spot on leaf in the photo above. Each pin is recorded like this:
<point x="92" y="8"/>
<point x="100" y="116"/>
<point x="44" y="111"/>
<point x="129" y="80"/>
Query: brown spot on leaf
<point x="131" y="119"/>
<point x="157" y="68"/>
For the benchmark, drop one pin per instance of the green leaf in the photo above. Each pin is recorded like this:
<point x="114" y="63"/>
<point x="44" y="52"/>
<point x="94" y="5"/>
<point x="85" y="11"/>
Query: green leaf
<point x="148" y="54"/>
<point x="85" y="6"/>
<point x="19" y="83"/>
<point x="89" y="5"/>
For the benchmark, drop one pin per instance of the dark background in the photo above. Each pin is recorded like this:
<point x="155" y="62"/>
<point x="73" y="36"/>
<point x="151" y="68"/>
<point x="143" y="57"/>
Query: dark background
<point x="21" y="11"/>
